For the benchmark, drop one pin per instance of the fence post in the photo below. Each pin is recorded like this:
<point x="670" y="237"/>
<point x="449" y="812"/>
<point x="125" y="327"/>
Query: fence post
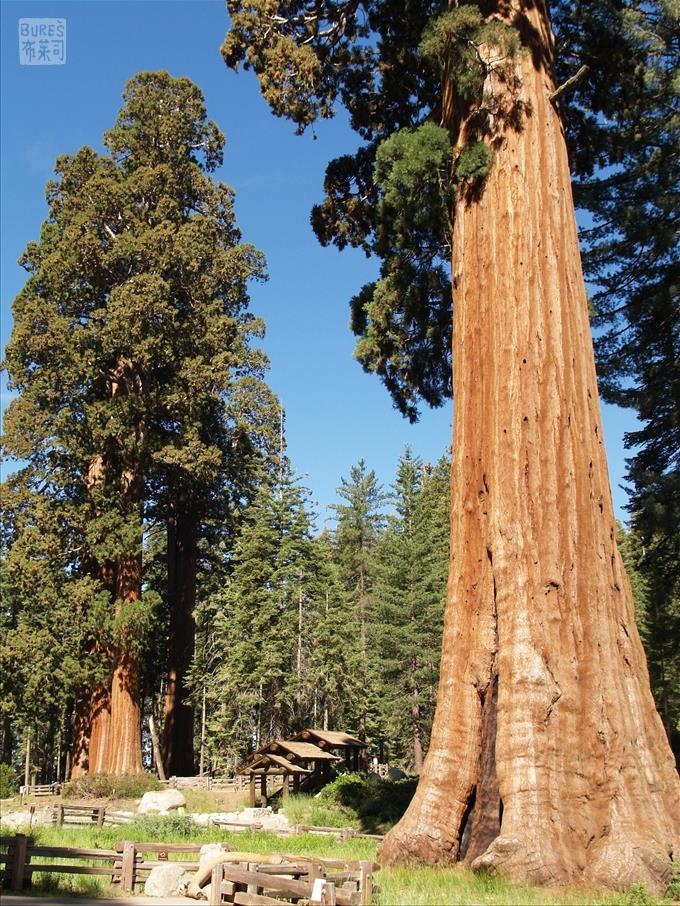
<point x="101" y="812"/>
<point x="19" y="850"/>
<point x="61" y="815"/>
<point x="366" y="882"/>
<point x="328" y="894"/>
<point x="127" y="877"/>
<point x="251" y="888"/>
<point x="216" y="884"/>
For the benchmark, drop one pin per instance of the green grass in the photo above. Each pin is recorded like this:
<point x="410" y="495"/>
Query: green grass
<point x="457" y="887"/>
<point x="175" y="829"/>
<point x="396" y="886"/>
<point x="303" y="808"/>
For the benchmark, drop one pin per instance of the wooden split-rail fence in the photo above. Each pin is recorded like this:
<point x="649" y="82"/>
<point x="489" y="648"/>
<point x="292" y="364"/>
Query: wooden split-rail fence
<point x="341" y="833"/>
<point x="127" y="864"/>
<point x="327" y="882"/>
<point x="40" y="789"/>
<point x="206" y="782"/>
<point x="88" y="815"/>
<point x="100" y="816"/>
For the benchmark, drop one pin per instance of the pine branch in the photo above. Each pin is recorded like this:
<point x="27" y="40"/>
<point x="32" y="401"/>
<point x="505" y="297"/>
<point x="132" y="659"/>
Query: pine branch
<point x="569" y="84"/>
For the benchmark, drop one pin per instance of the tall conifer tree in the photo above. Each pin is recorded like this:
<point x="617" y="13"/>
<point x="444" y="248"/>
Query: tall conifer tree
<point x="410" y="590"/>
<point x="360" y="519"/>
<point x="130" y="345"/>
<point x="257" y="687"/>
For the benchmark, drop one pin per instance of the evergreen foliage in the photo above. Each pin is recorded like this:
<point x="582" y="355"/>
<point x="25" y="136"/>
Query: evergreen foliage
<point x="656" y="590"/>
<point x="139" y="389"/>
<point x="389" y="67"/>
<point x="359" y="523"/>
<point x="52" y="614"/>
<point x="410" y="593"/>
<point x="283" y="643"/>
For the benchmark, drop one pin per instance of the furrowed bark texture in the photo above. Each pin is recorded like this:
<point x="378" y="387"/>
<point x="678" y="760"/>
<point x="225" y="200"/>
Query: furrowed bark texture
<point x="92" y="718"/>
<point x="100" y="728"/>
<point x="566" y="777"/>
<point x="91" y="726"/>
<point x="124" y="754"/>
<point x="178" y="733"/>
<point x="125" y="747"/>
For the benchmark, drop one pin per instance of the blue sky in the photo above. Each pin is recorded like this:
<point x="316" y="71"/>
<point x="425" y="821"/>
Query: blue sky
<point x="335" y="413"/>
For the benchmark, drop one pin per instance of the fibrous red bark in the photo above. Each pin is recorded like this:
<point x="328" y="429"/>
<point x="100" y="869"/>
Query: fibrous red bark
<point x="548" y="761"/>
<point x="92" y="723"/>
<point x="124" y="755"/>
<point x="91" y="732"/>
<point x="125" y="748"/>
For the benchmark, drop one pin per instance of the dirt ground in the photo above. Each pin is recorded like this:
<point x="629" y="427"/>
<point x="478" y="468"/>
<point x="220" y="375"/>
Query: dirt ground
<point x="197" y="801"/>
<point x="17" y="900"/>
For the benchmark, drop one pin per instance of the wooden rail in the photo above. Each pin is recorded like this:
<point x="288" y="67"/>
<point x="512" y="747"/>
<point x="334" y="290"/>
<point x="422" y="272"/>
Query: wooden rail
<point x="319" y="881"/>
<point x="19" y="851"/>
<point x="342" y="833"/>
<point x="40" y="789"/>
<point x="205" y="782"/>
<point x="124" y="864"/>
<point x="327" y="882"/>
<point x="88" y="814"/>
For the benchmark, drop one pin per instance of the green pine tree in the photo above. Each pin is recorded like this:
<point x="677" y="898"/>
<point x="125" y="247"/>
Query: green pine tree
<point x="257" y="686"/>
<point x="410" y="591"/>
<point x="359" y="521"/>
<point x="657" y="607"/>
<point x="333" y="662"/>
<point x="53" y="611"/>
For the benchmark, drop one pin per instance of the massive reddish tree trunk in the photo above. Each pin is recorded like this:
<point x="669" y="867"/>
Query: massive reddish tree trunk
<point x="91" y="728"/>
<point x="548" y="761"/>
<point x="125" y="748"/>
<point x="124" y="754"/>
<point x="178" y="733"/>
<point x="92" y="723"/>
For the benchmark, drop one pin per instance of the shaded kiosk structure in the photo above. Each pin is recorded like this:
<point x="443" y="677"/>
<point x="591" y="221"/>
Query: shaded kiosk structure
<point x="287" y="759"/>
<point x="274" y="766"/>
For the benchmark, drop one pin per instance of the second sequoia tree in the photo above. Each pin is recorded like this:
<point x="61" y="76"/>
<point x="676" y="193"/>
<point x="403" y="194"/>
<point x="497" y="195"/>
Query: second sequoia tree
<point x="548" y="761"/>
<point x="140" y="393"/>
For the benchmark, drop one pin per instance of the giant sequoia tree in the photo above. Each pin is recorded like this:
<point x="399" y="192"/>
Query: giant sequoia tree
<point x="548" y="760"/>
<point x="139" y="392"/>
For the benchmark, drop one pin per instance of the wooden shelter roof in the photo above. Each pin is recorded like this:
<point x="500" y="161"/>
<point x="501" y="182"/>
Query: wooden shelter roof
<point x="304" y="751"/>
<point x="259" y="764"/>
<point x="335" y="738"/>
<point x="300" y="751"/>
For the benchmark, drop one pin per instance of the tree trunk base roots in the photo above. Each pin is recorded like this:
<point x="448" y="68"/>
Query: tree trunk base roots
<point x="615" y="863"/>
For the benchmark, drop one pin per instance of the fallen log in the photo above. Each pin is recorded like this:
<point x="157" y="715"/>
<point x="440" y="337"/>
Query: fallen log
<point x="204" y="873"/>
